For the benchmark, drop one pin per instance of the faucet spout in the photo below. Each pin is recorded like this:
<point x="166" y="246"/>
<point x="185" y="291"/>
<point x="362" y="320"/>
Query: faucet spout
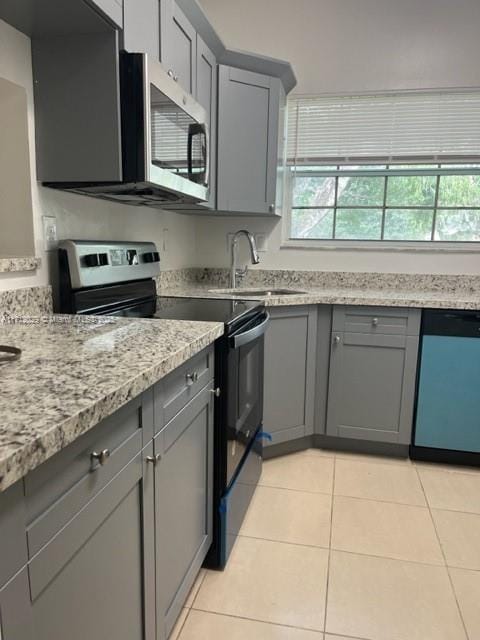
<point x="253" y="254"/>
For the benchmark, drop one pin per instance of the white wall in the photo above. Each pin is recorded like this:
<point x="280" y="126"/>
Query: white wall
<point x="79" y="216"/>
<point x="349" y="46"/>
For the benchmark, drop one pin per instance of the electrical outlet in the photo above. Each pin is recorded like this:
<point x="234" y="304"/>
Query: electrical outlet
<point x="50" y="238"/>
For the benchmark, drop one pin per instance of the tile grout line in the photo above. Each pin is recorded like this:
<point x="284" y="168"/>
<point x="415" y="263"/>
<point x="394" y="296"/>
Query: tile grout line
<point x="444" y="557"/>
<point x="269" y="622"/>
<point x="329" y="548"/>
<point x="312" y="493"/>
<point x="354" y="553"/>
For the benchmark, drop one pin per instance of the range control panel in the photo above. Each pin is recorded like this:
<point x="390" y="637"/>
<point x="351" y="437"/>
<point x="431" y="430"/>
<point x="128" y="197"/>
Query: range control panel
<point x="100" y="263"/>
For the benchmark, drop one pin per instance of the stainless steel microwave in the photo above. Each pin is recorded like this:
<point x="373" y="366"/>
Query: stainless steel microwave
<point x="164" y="140"/>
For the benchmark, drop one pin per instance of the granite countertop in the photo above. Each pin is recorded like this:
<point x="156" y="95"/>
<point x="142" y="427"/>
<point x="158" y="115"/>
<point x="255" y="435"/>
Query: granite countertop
<point x="462" y="299"/>
<point x="75" y="371"/>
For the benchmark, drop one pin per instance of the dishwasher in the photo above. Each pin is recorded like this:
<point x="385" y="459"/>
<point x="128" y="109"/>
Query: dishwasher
<point x="447" y="420"/>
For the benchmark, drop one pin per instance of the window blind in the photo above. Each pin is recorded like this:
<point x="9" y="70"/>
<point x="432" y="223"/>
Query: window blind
<point x="413" y="127"/>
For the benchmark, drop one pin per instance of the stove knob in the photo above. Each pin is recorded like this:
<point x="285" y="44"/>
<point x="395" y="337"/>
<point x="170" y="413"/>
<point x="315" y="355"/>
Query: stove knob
<point x="151" y="256"/>
<point x="95" y="260"/>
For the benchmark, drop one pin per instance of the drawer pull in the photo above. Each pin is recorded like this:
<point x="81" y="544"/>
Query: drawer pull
<point x="216" y="392"/>
<point x="101" y="457"/>
<point x="375" y="322"/>
<point x="191" y="378"/>
<point x="336" y="340"/>
<point x="154" y="459"/>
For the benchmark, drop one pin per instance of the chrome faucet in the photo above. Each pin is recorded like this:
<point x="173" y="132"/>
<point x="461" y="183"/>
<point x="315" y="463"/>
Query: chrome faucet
<point x="234" y="271"/>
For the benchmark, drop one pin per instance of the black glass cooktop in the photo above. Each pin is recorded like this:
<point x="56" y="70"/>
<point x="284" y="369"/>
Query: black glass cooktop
<point x="207" y="310"/>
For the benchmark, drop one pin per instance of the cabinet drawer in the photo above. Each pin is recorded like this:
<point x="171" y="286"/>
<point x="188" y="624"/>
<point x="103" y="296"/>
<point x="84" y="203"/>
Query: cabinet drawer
<point x="59" y="489"/>
<point x="373" y="320"/>
<point x="180" y="386"/>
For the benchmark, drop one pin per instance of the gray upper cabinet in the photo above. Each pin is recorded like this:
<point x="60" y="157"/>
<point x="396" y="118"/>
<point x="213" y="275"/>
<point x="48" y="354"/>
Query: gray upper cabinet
<point x="290" y="345"/>
<point x="141" y="29"/>
<point x="183" y="504"/>
<point x="178" y="45"/>
<point x="112" y="9"/>
<point x="206" y="95"/>
<point x="248" y="141"/>
<point x="372" y="374"/>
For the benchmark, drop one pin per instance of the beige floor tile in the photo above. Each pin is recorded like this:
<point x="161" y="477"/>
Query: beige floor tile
<point x="175" y="634"/>
<point x="467" y="588"/>
<point x="385" y="482"/>
<point x="459" y="535"/>
<point x="363" y="457"/>
<point x="385" y="529"/>
<point x="194" y="590"/>
<point x="212" y="626"/>
<point x="382" y="599"/>
<point x="303" y="473"/>
<point x="328" y="636"/>
<point x="270" y="582"/>
<point x="289" y="516"/>
<point x="446" y="490"/>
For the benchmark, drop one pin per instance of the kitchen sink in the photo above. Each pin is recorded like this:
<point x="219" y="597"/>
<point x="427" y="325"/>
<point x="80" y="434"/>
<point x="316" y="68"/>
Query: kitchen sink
<point x="260" y="293"/>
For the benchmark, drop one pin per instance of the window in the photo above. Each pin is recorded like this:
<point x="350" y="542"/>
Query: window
<point x="392" y="169"/>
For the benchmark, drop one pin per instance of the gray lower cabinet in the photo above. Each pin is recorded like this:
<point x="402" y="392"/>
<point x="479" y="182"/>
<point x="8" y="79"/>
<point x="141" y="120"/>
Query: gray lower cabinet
<point x="141" y="28"/>
<point x="95" y="578"/>
<point x="183" y="504"/>
<point x="15" y="610"/>
<point x="372" y="386"/>
<point x="289" y="390"/>
<point x="248" y="141"/>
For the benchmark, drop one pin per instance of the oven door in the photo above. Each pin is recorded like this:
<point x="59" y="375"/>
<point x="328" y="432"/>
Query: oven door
<point x="177" y="136"/>
<point x="245" y="389"/>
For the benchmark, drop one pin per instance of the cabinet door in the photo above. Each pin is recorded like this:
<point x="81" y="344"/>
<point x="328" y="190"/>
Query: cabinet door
<point x="207" y="97"/>
<point x="15" y="610"/>
<point x="372" y="386"/>
<point x="290" y="373"/>
<point x="178" y="45"/>
<point x="141" y="28"/>
<point x="183" y="505"/>
<point x="94" y="579"/>
<point x="248" y="126"/>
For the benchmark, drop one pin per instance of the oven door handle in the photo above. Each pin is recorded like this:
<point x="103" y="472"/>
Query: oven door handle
<point x="252" y="334"/>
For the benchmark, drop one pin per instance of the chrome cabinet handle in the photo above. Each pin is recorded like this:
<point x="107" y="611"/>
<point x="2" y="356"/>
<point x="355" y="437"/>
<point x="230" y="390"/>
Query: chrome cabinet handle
<point x="170" y="73"/>
<point x="101" y="456"/>
<point x="191" y="378"/>
<point x="175" y="77"/>
<point x="271" y="208"/>
<point x="336" y="340"/>
<point x="153" y="459"/>
<point x="216" y="392"/>
<point x="375" y="322"/>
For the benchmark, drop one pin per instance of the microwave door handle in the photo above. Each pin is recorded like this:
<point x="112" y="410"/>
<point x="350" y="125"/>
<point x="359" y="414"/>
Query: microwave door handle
<point x="206" y="157"/>
<point x="252" y="334"/>
<point x="196" y="129"/>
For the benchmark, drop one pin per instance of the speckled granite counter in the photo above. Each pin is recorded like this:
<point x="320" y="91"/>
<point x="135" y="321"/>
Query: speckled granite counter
<point x="76" y="371"/>
<point x="348" y="296"/>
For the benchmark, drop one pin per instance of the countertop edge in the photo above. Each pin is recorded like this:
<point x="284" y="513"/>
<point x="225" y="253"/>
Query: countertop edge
<point x="16" y="465"/>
